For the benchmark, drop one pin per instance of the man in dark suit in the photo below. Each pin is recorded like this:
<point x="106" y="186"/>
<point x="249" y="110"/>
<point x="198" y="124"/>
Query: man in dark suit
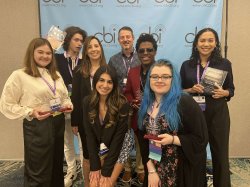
<point x="146" y="47"/>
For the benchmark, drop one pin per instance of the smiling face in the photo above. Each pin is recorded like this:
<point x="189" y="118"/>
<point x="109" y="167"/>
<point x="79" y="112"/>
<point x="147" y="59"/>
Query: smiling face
<point x="94" y="50"/>
<point x="126" y="39"/>
<point x="160" y="80"/>
<point x="43" y="56"/>
<point x="104" y="85"/>
<point x="146" y="53"/>
<point x="206" y="44"/>
<point x="76" y="43"/>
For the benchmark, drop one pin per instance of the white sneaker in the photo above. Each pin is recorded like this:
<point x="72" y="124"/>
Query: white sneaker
<point x="69" y="178"/>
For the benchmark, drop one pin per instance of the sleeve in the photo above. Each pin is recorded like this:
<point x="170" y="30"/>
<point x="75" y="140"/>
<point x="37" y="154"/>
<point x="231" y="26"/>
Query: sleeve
<point x="182" y="75"/>
<point x="65" y="94"/>
<point x="229" y="83"/>
<point x="194" y="138"/>
<point x="10" y="100"/>
<point x="92" y="143"/>
<point x="144" y="147"/>
<point x="117" y="141"/>
<point x="76" y="98"/>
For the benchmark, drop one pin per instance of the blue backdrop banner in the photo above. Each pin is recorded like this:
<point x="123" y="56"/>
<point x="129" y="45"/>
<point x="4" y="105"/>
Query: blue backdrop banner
<point x="174" y="23"/>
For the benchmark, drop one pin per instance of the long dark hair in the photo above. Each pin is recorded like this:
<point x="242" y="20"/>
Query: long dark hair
<point x="114" y="100"/>
<point x="215" y="56"/>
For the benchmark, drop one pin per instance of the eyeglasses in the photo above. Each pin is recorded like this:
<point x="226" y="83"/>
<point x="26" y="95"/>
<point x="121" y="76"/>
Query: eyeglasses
<point x="142" y="50"/>
<point x="163" y="77"/>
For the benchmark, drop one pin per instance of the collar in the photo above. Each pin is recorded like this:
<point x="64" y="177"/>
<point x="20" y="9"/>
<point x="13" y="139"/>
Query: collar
<point x="42" y="71"/>
<point x="66" y="55"/>
<point x="131" y="54"/>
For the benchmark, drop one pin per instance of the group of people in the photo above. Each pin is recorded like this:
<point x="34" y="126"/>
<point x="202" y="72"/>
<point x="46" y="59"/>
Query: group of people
<point x="134" y="99"/>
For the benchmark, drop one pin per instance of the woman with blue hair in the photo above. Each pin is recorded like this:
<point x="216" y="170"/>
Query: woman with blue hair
<point x="172" y="131"/>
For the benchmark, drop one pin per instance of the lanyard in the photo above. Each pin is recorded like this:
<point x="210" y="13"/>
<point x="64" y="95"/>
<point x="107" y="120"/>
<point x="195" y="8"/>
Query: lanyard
<point x="129" y="64"/>
<point x="198" y="71"/>
<point x="74" y="64"/>
<point x="50" y="87"/>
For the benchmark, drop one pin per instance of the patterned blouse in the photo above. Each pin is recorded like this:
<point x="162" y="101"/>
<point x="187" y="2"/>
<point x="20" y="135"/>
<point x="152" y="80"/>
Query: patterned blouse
<point x="167" y="167"/>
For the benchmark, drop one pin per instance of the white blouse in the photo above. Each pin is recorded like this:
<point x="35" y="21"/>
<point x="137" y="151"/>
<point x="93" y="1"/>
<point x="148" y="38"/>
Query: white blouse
<point x="22" y="93"/>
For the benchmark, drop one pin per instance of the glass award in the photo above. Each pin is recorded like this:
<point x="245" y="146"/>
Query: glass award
<point x="56" y="37"/>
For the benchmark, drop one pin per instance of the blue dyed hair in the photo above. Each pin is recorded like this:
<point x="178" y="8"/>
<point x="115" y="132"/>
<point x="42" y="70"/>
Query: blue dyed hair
<point x="169" y="101"/>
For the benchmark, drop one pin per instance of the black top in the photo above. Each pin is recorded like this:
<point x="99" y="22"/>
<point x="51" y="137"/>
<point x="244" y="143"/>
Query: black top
<point x="81" y="88"/>
<point x="188" y="74"/>
<point x="112" y="137"/>
<point x="193" y="135"/>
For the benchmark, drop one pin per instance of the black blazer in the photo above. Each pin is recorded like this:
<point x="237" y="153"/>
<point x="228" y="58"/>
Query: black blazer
<point x="112" y="137"/>
<point x="81" y="88"/>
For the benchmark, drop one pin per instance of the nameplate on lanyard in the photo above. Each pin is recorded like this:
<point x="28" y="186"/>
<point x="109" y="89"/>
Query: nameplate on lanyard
<point x="55" y="104"/>
<point x="201" y="100"/>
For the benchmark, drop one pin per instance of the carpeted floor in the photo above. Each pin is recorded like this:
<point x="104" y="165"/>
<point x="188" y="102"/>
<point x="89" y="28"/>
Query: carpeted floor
<point x="11" y="174"/>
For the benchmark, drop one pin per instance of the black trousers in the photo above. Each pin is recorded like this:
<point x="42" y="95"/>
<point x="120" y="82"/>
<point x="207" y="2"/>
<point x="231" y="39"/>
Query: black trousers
<point x="43" y="152"/>
<point x="218" y="124"/>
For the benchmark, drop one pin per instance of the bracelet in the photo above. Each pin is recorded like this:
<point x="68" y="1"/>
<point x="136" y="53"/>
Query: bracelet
<point x="172" y="140"/>
<point x="152" y="171"/>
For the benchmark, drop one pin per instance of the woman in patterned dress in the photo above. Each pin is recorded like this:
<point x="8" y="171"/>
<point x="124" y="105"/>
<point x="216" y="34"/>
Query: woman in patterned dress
<point x="178" y="156"/>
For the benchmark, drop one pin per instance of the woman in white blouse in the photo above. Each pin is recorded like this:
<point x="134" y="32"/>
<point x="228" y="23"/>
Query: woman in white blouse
<point x="37" y="95"/>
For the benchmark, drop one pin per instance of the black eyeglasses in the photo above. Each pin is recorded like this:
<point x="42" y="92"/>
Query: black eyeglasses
<point x="142" y="50"/>
<point x="163" y="77"/>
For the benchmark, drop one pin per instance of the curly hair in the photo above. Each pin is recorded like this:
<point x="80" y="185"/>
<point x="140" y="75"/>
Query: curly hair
<point x="144" y="37"/>
<point x="70" y="32"/>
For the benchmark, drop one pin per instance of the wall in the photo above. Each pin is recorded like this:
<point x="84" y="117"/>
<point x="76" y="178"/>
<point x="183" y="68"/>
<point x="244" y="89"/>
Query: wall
<point x="20" y="23"/>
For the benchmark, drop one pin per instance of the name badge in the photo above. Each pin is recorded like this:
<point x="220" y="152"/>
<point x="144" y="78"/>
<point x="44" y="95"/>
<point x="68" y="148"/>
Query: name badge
<point x="55" y="104"/>
<point x="103" y="151"/>
<point x="155" y="151"/>
<point x="201" y="100"/>
<point x="124" y="81"/>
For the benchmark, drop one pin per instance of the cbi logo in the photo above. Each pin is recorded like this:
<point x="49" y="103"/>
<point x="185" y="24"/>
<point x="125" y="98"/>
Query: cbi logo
<point x="189" y="37"/>
<point x="157" y="32"/>
<point x="166" y="1"/>
<point x="204" y="3"/>
<point x="128" y="3"/>
<point x="91" y="1"/>
<point x="108" y="36"/>
<point x="54" y="3"/>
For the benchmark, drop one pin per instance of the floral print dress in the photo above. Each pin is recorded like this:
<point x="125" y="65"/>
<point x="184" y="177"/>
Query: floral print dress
<point x="167" y="167"/>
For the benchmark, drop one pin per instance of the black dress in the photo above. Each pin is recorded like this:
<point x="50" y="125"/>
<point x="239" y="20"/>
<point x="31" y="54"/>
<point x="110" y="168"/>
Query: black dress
<point x="185" y="165"/>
